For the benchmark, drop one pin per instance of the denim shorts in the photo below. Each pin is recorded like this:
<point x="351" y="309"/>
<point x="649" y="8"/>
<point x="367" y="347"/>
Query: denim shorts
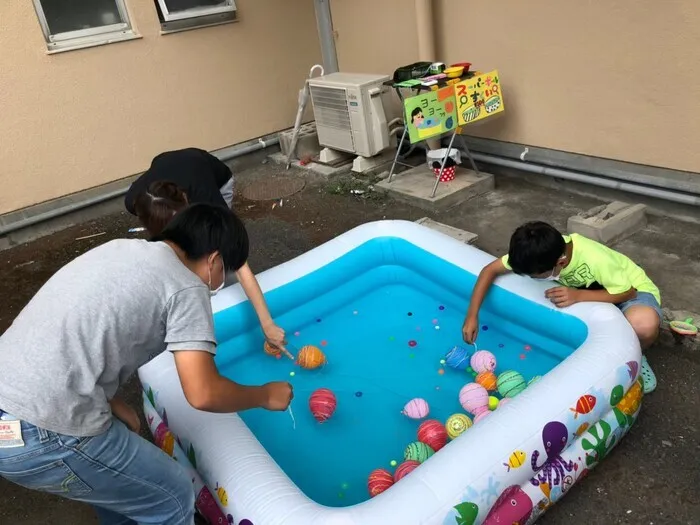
<point x="643" y="299"/>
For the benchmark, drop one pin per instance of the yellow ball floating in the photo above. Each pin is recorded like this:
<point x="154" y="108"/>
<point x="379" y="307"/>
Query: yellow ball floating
<point x="457" y="424"/>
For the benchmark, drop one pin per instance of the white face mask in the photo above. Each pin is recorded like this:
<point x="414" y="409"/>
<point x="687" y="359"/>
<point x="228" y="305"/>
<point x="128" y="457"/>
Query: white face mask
<point x="223" y="281"/>
<point x="551" y="277"/>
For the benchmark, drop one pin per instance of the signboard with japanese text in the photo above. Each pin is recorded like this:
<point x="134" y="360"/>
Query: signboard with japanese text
<point x="478" y="98"/>
<point x="430" y="114"/>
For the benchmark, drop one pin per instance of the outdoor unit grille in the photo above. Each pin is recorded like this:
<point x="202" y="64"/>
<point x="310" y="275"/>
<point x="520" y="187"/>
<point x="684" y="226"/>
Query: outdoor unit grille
<point x="349" y="112"/>
<point x="332" y="117"/>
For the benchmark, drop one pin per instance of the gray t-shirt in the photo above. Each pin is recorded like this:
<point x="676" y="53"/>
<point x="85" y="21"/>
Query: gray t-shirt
<point x="91" y="326"/>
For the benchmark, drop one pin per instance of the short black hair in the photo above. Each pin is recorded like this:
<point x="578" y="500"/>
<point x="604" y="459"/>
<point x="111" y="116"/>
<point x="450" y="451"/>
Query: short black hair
<point x="535" y="248"/>
<point x="202" y="229"/>
<point x="416" y="111"/>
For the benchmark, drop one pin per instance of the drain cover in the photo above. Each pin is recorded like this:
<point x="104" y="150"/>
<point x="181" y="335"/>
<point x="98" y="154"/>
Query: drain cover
<point x="272" y="188"/>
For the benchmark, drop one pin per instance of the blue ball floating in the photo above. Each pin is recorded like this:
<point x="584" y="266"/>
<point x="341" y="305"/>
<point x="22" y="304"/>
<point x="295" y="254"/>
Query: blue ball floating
<point x="358" y="394"/>
<point x="458" y="358"/>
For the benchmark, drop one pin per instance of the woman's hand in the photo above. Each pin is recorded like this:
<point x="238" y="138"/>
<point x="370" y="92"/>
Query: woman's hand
<point x="274" y="335"/>
<point x="126" y="414"/>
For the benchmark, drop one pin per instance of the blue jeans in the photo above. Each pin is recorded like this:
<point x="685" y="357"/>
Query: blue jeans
<point x="127" y="479"/>
<point x="643" y="299"/>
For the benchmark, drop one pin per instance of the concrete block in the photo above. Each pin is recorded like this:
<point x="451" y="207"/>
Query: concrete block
<point x="313" y="167"/>
<point x="461" y="235"/>
<point x="415" y="185"/>
<point x="307" y="144"/>
<point x="370" y="165"/>
<point x="608" y="223"/>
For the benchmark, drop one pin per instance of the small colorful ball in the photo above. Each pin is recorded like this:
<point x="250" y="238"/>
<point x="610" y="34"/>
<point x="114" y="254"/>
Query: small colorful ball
<point x="534" y="380"/>
<point x="458" y="358"/>
<point x="393" y="462"/>
<point x="473" y="397"/>
<point x="493" y="403"/>
<point x="311" y="357"/>
<point x="433" y="434"/>
<point x="483" y="361"/>
<point x="418" y="451"/>
<point x="511" y="383"/>
<point x="416" y="408"/>
<point x="487" y="380"/>
<point x="405" y="468"/>
<point x="322" y="404"/>
<point x="457" y="424"/>
<point x="481" y="415"/>
<point x="379" y="480"/>
<point x="271" y="350"/>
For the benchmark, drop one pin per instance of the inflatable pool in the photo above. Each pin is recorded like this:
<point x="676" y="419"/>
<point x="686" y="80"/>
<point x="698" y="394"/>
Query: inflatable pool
<point x="384" y="304"/>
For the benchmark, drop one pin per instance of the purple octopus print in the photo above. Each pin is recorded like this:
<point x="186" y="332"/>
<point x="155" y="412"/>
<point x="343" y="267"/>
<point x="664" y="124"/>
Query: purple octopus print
<point x="554" y="438"/>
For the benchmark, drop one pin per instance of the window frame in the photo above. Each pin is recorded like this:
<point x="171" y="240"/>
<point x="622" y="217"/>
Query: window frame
<point x="230" y="7"/>
<point x="82" y="38"/>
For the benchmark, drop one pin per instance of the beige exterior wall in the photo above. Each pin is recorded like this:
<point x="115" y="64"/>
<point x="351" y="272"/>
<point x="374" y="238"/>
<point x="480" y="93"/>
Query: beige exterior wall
<point x="612" y="79"/>
<point x="78" y="119"/>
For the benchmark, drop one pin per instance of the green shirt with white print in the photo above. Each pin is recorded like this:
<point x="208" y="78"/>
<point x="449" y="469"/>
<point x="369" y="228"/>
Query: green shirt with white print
<point x="595" y="266"/>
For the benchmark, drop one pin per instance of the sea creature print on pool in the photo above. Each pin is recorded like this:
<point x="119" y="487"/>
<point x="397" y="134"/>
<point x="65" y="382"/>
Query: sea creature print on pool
<point x="512" y="506"/>
<point x="481" y="438"/>
<point x="554" y="438"/>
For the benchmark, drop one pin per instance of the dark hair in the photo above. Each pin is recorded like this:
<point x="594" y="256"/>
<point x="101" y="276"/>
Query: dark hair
<point x="415" y="113"/>
<point x="535" y="248"/>
<point x="156" y="206"/>
<point x="202" y="229"/>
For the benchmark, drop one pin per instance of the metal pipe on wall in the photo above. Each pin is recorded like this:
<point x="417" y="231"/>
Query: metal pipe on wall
<point x="225" y="155"/>
<point x="326" y="35"/>
<point x="648" y="191"/>
<point x="425" y="30"/>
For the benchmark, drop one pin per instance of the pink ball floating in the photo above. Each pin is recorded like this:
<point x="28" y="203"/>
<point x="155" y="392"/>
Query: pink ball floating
<point x="417" y="408"/>
<point x="322" y="404"/>
<point x="433" y="434"/>
<point x="481" y="415"/>
<point x="474" y="398"/>
<point x="379" y="480"/>
<point x="404" y="469"/>
<point x="483" y="361"/>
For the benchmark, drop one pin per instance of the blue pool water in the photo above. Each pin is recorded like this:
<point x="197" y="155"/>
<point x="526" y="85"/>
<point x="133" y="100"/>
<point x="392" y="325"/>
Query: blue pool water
<point x="363" y="310"/>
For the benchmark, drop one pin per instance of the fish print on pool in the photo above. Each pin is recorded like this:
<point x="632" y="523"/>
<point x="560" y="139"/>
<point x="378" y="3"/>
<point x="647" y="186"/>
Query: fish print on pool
<point x="513" y="506"/>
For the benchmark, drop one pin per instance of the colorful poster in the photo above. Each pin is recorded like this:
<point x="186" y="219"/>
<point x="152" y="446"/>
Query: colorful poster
<point x="478" y="98"/>
<point x="430" y="114"/>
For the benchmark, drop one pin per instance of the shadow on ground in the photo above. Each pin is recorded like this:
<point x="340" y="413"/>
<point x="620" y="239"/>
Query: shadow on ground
<point x="652" y="477"/>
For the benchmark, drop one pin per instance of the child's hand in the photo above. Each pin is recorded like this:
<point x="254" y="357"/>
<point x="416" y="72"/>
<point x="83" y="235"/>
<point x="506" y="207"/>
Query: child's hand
<point x="562" y="296"/>
<point x="470" y="329"/>
<point x="278" y="395"/>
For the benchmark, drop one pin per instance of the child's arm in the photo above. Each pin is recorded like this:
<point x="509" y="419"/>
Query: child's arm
<point x="273" y="333"/>
<point x="562" y="296"/>
<point x="488" y="274"/>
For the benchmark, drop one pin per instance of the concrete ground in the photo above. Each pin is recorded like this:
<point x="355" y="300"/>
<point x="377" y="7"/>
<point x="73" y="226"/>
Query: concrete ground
<point x="652" y="477"/>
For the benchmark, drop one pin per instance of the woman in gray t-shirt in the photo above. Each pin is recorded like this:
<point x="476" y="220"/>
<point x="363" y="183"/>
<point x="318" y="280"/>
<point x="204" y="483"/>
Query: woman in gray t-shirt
<point x="87" y="330"/>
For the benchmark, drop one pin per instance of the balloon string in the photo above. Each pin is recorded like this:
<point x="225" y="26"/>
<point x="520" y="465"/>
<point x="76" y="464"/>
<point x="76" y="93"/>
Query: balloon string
<point x="291" y="414"/>
<point x="475" y="348"/>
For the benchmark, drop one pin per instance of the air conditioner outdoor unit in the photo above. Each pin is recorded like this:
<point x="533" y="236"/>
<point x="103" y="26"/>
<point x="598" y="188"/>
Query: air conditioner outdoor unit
<point x="349" y="112"/>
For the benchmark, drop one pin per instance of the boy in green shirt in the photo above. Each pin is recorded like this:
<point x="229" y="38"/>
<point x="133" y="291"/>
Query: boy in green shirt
<point x="588" y="270"/>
